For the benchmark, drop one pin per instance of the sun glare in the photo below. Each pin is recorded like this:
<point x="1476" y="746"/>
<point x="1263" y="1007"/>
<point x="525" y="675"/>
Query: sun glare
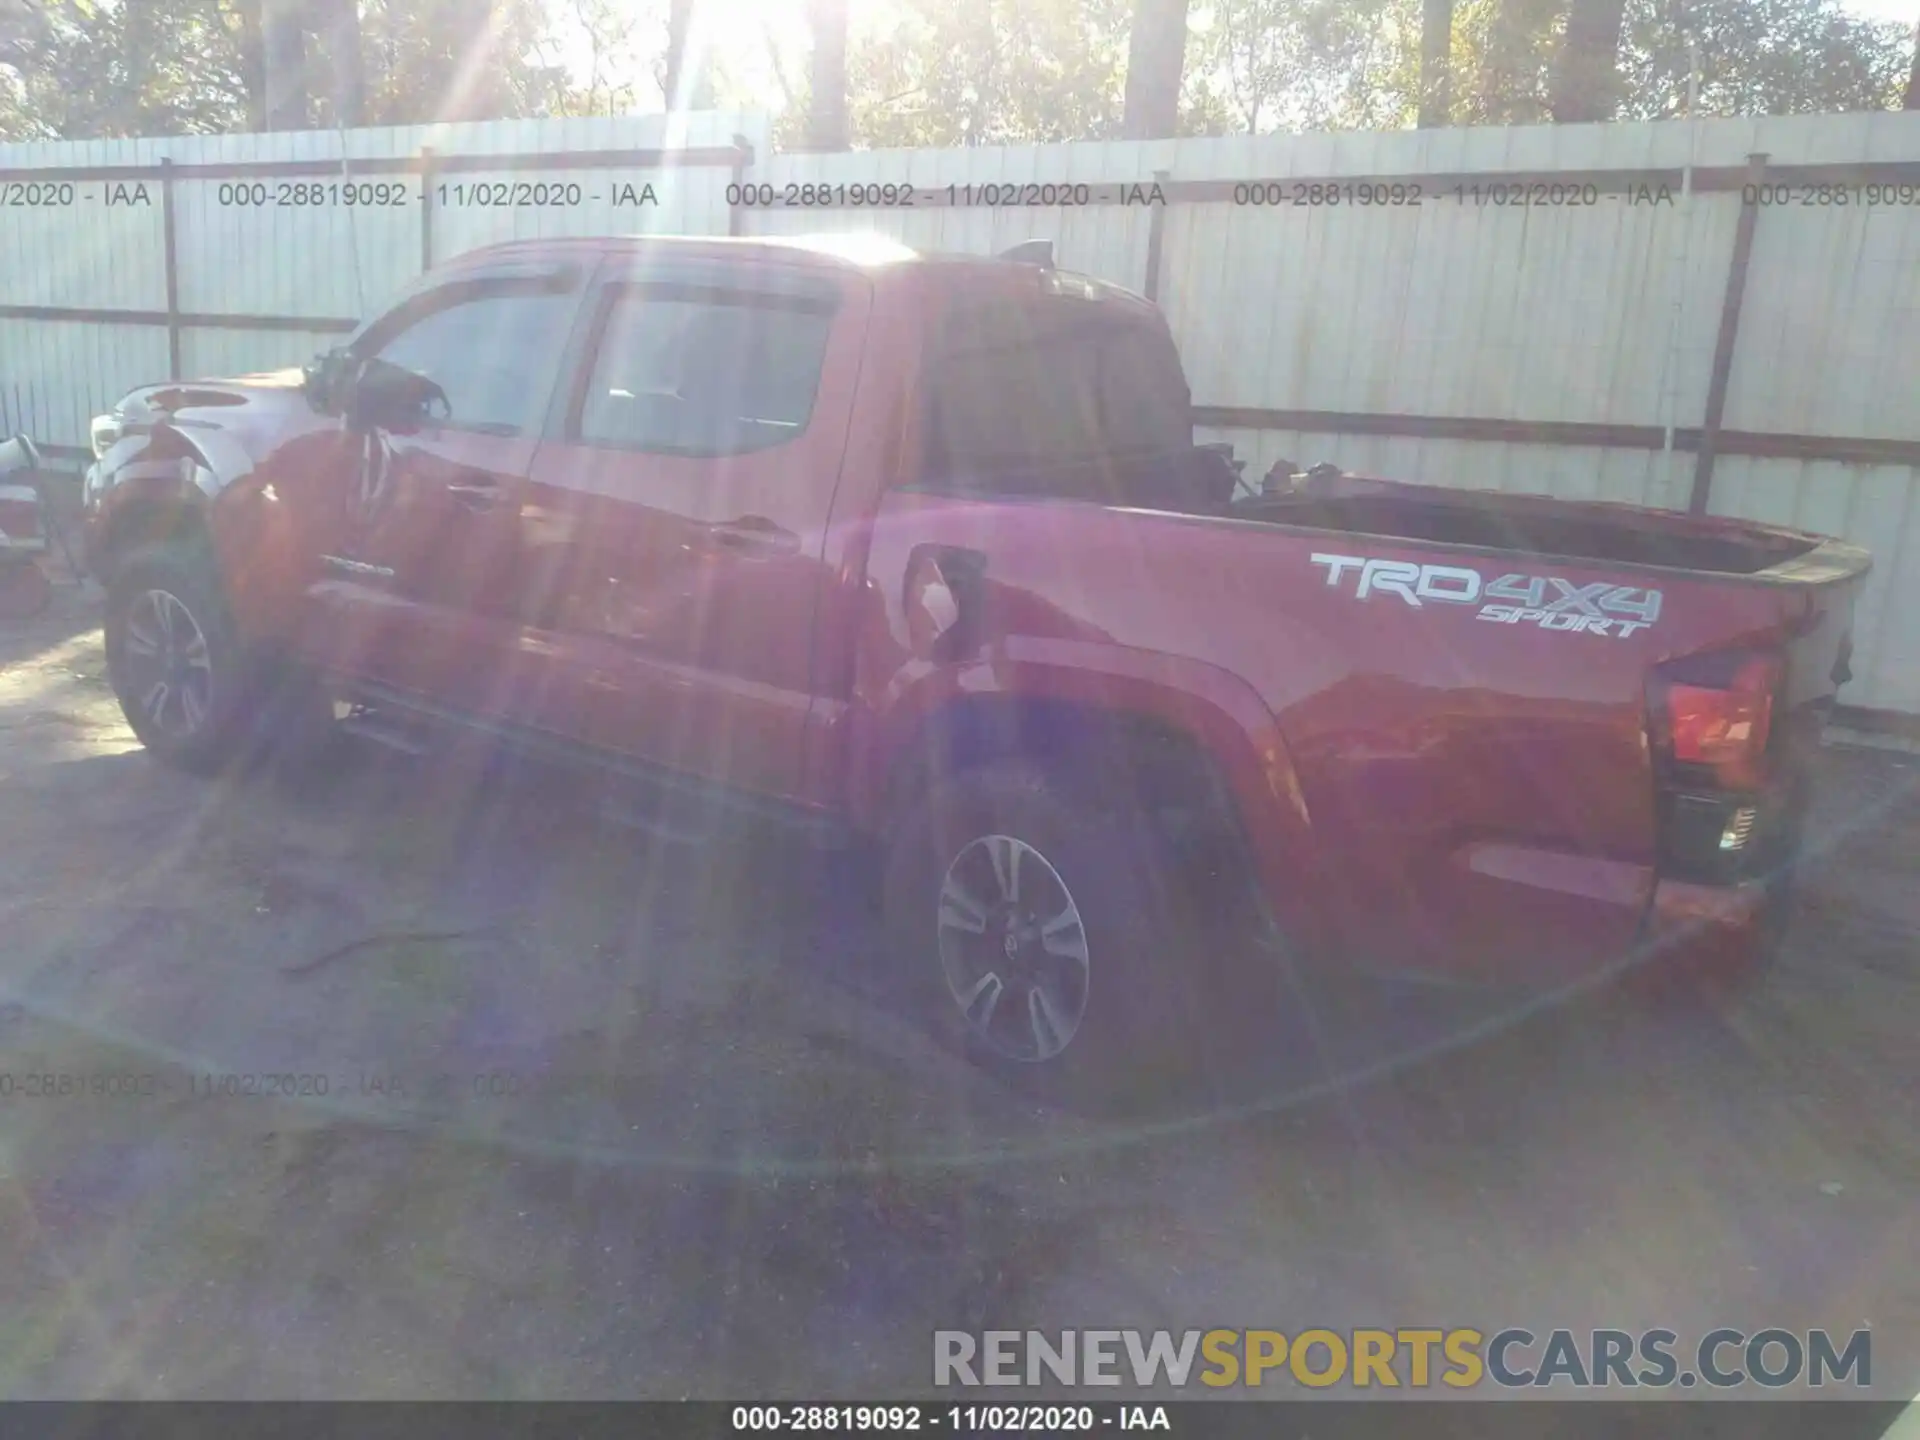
<point x="752" y="43"/>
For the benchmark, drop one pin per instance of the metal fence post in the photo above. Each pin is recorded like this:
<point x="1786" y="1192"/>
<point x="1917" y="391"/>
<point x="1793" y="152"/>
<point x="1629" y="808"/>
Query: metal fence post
<point x="1156" y="238"/>
<point x="742" y="158"/>
<point x="426" y="208"/>
<point x="1724" y="343"/>
<point x="170" y="246"/>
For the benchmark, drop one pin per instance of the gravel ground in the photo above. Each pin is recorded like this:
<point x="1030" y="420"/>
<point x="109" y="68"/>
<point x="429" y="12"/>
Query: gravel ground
<point x="605" y="1119"/>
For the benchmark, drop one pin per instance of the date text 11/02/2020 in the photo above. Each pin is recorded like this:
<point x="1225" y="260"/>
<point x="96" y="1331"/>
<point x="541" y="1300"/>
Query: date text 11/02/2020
<point x="1401" y="194"/>
<point x="1267" y="194"/>
<point x="884" y="195"/>
<point x="840" y="1419"/>
<point x="889" y="195"/>
<point x="1491" y="193"/>
<point x="448" y="194"/>
<point x="344" y="194"/>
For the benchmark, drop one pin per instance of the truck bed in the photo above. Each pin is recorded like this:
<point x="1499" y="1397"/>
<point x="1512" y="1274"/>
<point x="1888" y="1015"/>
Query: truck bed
<point x="1462" y="688"/>
<point x="1548" y="528"/>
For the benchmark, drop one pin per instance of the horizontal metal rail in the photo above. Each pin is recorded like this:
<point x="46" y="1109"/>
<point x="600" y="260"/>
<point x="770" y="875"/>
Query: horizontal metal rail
<point x="186" y="319"/>
<point x="1493" y="189"/>
<point x="1755" y="444"/>
<point x="725" y="156"/>
<point x="1752" y="444"/>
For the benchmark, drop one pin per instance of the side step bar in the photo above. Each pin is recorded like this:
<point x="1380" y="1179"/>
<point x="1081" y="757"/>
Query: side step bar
<point x="681" y="809"/>
<point x="381" y="728"/>
<point x="635" y="813"/>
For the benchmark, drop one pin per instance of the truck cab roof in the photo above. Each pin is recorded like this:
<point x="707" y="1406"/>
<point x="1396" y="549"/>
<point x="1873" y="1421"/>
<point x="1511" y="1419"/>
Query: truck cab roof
<point x="880" y="257"/>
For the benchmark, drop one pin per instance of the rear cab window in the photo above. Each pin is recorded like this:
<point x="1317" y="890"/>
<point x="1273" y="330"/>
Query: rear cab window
<point x="1046" y="393"/>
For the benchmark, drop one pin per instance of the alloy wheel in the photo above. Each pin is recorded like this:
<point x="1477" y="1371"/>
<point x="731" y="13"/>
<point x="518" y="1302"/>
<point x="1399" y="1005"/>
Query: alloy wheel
<point x="1014" y="948"/>
<point x="166" y="670"/>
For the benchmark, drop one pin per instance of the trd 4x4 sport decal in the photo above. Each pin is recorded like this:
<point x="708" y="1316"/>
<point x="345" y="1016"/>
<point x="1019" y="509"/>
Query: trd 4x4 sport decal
<point x="1544" y="600"/>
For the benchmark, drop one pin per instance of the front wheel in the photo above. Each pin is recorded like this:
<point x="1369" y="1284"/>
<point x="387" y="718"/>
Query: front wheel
<point x="191" y="693"/>
<point x="1042" y="930"/>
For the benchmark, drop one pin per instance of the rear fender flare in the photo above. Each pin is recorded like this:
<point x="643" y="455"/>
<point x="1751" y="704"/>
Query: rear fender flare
<point x="1215" y="710"/>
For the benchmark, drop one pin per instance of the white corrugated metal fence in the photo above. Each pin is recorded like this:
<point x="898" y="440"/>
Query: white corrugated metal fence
<point x="1544" y="318"/>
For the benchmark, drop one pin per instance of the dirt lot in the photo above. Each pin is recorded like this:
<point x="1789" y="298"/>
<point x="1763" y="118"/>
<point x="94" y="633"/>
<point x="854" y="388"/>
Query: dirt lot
<point x="726" y="1163"/>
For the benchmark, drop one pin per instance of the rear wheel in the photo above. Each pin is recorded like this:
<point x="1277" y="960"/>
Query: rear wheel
<point x="1043" y="932"/>
<point x="190" y="691"/>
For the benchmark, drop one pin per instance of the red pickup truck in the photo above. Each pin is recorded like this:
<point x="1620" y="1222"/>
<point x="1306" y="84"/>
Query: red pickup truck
<point x="919" y="549"/>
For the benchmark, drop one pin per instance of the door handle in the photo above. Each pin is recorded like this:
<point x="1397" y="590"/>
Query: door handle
<point x="476" y="494"/>
<point x="755" y="534"/>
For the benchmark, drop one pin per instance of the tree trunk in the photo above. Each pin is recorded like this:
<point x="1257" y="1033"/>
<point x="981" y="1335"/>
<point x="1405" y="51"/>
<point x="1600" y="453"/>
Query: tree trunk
<point x="1436" y="63"/>
<point x="1586" y="85"/>
<point x="283" y="55"/>
<point x="253" y="62"/>
<point x="827" y="110"/>
<point x="1912" y="102"/>
<point x="1156" y="59"/>
<point x="349" y="72"/>
<point x="21" y="23"/>
<point x="679" y="22"/>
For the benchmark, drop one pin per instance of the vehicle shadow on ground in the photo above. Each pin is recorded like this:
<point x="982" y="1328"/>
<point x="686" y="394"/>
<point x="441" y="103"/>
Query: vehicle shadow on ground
<point x="386" y="852"/>
<point x="73" y="610"/>
<point x="497" y="843"/>
<point x="724" y="1126"/>
<point x="377" y="862"/>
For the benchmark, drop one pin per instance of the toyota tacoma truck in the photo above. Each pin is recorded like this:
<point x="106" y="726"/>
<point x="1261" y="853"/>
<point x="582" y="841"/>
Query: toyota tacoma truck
<point x="918" y="551"/>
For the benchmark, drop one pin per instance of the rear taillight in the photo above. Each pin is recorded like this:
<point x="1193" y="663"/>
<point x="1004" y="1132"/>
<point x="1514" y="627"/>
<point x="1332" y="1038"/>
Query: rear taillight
<point x="1711" y="716"/>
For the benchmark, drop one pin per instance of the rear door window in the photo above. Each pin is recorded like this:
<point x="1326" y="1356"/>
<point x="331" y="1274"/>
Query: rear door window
<point x="704" y="372"/>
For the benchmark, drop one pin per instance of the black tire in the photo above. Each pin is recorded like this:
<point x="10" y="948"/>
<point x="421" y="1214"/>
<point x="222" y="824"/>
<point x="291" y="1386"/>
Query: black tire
<point x="1145" y="1008"/>
<point x="224" y="708"/>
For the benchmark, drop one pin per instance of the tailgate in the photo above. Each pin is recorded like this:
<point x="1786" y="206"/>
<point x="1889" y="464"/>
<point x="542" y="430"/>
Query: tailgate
<point x="1821" y="589"/>
<point x="1476" y="728"/>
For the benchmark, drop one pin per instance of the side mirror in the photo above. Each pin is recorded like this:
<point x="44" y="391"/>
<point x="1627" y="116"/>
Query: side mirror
<point x="322" y="379"/>
<point x="377" y="395"/>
